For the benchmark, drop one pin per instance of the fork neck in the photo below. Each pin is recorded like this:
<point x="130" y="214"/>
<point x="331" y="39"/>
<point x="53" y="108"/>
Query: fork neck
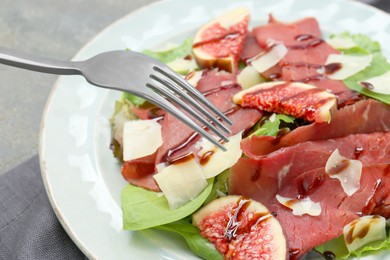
<point x="32" y="62"/>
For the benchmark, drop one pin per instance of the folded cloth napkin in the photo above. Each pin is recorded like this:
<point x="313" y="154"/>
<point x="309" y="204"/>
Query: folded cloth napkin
<point x="29" y="229"/>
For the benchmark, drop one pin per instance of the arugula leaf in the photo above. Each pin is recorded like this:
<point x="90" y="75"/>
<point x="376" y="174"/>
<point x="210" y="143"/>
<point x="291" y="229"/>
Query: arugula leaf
<point x="338" y="247"/>
<point x="145" y="209"/>
<point x="199" y="245"/>
<point x="271" y="126"/>
<point x="172" y="54"/>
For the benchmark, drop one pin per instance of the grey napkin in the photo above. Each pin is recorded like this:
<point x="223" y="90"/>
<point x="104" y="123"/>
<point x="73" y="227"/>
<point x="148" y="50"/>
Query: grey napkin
<point x="29" y="229"/>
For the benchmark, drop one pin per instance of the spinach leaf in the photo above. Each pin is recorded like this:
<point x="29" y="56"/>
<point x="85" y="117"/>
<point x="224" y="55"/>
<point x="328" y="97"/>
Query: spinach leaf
<point x="199" y="245"/>
<point x="145" y="209"/>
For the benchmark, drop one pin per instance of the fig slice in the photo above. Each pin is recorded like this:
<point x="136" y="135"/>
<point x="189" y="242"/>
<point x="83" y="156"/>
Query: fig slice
<point x="292" y="98"/>
<point x="241" y="228"/>
<point x="218" y="44"/>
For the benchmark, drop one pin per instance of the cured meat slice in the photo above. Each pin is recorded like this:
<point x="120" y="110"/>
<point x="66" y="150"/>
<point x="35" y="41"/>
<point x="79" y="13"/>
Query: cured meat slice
<point x="307" y="52"/>
<point x="337" y="208"/>
<point x="179" y="140"/>
<point x="298" y="172"/>
<point x="365" y="116"/>
<point x="251" y="48"/>
<point x="286" y="33"/>
<point x="147" y="112"/>
<point x="280" y="167"/>
<point x="218" y="87"/>
<point x="139" y="171"/>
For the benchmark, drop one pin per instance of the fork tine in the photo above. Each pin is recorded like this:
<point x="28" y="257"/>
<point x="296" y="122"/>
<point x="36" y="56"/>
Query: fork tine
<point x="172" y="86"/>
<point x="159" y="101"/>
<point x="170" y="96"/>
<point x="187" y="86"/>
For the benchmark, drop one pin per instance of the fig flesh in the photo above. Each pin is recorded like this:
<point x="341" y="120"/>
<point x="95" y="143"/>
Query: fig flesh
<point x="292" y="98"/>
<point x="218" y="44"/>
<point x="241" y="228"/>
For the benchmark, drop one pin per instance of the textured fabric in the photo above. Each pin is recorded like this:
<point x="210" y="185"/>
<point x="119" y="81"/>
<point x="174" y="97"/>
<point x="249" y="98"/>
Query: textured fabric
<point x="29" y="228"/>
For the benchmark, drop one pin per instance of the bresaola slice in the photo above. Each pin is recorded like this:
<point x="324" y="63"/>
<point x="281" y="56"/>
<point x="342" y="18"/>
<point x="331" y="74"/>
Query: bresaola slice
<point x="218" y="87"/>
<point x="139" y="171"/>
<point x="365" y="116"/>
<point x="307" y="55"/>
<point x="179" y="140"/>
<point x="299" y="172"/>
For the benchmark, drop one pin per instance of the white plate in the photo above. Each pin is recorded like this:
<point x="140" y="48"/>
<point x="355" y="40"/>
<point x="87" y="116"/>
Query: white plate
<point x="82" y="178"/>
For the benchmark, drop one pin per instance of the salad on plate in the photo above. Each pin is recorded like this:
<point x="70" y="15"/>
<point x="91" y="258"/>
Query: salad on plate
<point x="306" y="172"/>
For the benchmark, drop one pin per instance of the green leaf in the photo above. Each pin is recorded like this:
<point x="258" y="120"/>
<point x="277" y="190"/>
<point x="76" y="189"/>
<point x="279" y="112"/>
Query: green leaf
<point x="172" y="54"/>
<point x="220" y="187"/>
<point x="121" y="115"/>
<point x="363" y="41"/>
<point x="338" y="247"/>
<point x="136" y="101"/>
<point x="272" y="127"/>
<point x="378" y="66"/>
<point x="145" y="209"/>
<point x="198" y="245"/>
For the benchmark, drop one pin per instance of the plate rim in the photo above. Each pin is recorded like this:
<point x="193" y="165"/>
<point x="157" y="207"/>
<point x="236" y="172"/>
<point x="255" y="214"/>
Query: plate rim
<point x="42" y="162"/>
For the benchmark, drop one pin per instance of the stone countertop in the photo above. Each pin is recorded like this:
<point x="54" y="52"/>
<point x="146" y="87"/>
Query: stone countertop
<point x="49" y="28"/>
<point x="56" y="29"/>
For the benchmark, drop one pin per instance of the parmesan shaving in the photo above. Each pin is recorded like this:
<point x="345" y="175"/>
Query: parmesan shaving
<point x="347" y="171"/>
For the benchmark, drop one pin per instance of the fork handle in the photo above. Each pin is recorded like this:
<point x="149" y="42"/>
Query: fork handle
<point x="35" y="63"/>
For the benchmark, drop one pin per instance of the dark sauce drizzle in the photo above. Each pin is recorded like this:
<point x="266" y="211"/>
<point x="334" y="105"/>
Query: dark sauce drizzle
<point x="293" y="253"/>
<point x="206" y="157"/>
<point x="170" y="157"/>
<point x="350" y="236"/>
<point x="332" y="68"/>
<point x="344" y="164"/>
<point x="305" y="187"/>
<point x="234" y="226"/>
<point x="230" y="35"/>
<point x="215" y="90"/>
<point x="328" y="255"/>
<point x="358" y="152"/>
<point x="367" y="85"/>
<point x="308" y="41"/>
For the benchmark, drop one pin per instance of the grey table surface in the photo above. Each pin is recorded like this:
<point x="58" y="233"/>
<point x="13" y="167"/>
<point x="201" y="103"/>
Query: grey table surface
<point x="52" y="28"/>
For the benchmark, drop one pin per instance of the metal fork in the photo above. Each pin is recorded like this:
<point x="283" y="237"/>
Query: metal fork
<point x="139" y="75"/>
